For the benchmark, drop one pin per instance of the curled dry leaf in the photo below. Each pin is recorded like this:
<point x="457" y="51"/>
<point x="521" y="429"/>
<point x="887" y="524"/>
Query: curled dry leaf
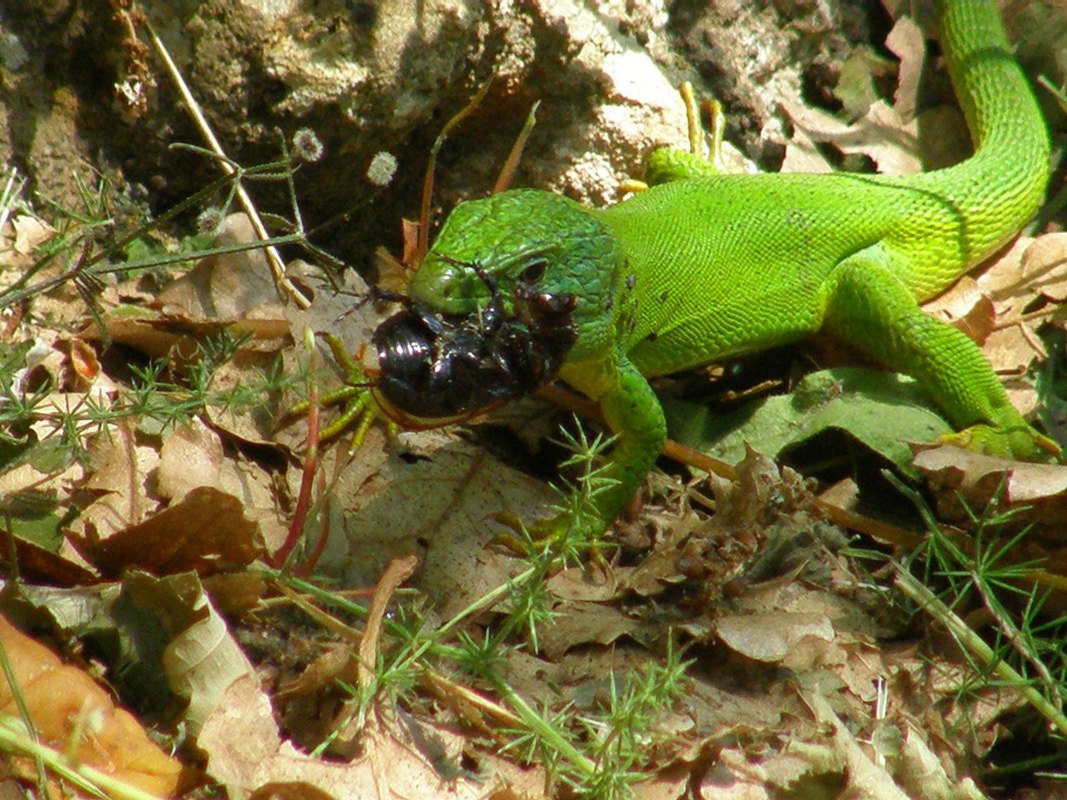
<point x="61" y="699"/>
<point x="1035" y="493"/>
<point x="203" y="531"/>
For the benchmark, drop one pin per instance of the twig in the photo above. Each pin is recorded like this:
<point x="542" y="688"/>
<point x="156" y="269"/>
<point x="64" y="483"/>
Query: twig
<point x="282" y="284"/>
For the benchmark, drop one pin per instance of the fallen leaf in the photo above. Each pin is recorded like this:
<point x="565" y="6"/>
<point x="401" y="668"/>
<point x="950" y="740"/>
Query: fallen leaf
<point x="229" y="286"/>
<point x="881" y="135"/>
<point x="122" y="470"/>
<point x="200" y="658"/>
<point x="433" y="495"/>
<point x="585" y="623"/>
<point x="204" y="531"/>
<point x="245" y="753"/>
<point x="908" y="43"/>
<point x="62" y="699"/>
<point x="30" y="233"/>
<point x="770" y="637"/>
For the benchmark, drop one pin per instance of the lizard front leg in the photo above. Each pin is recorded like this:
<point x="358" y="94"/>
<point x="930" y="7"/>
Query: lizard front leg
<point x="634" y="415"/>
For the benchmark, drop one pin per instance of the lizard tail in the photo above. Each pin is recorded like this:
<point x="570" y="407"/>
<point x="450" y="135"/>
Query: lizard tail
<point x="999" y="188"/>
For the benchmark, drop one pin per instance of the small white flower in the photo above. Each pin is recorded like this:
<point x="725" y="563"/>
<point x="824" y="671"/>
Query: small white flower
<point x="307" y="145"/>
<point x="210" y="220"/>
<point x="382" y="169"/>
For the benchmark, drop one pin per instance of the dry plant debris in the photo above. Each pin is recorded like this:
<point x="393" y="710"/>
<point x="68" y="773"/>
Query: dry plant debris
<point x="756" y="652"/>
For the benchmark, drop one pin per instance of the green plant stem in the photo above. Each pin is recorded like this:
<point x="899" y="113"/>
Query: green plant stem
<point x="977" y="648"/>
<point x="14" y="739"/>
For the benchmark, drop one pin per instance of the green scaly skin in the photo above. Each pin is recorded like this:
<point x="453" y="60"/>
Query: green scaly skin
<point x="704" y="266"/>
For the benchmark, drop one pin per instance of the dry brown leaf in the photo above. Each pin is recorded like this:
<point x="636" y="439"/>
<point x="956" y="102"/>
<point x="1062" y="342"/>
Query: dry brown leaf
<point x="979" y="476"/>
<point x="882" y="135"/>
<point x="256" y="425"/>
<point x="1044" y="263"/>
<point x="162" y="336"/>
<point x="230" y="286"/>
<point x="66" y="568"/>
<point x="802" y="155"/>
<point x="966" y="307"/>
<point x="245" y="753"/>
<point x="1028" y="269"/>
<point x="591" y="585"/>
<point x="908" y="43"/>
<point x="433" y="495"/>
<point x="865" y="777"/>
<point x="1012" y="350"/>
<point x="770" y="637"/>
<point x="193" y="455"/>
<point x="122" y="470"/>
<point x="61" y="699"/>
<point x="25" y="489"/>
<point x="584" y="623"/>
<point x="666" y="784"/>
<point x="30" y="233"/>
<point x="1036" y="493"/>
<point x="205" y="530"/>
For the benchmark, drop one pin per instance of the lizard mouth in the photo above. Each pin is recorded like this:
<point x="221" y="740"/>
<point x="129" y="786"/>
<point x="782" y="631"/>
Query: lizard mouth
<point x="438" y="369"/>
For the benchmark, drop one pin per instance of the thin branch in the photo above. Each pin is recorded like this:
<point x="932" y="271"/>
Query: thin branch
<point x="282" y="284"/>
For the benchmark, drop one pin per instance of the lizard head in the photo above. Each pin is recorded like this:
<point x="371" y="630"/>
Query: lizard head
<point x="514" y="285"/>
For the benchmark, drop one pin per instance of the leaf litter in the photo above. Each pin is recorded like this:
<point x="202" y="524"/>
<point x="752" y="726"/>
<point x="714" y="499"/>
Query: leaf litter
<point x="806" y="671"/>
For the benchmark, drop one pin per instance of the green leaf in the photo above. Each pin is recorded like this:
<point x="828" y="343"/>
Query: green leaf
<point x="882" y="410"/>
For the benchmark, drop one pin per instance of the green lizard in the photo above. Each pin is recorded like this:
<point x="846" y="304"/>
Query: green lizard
<point x="703" y="266"/>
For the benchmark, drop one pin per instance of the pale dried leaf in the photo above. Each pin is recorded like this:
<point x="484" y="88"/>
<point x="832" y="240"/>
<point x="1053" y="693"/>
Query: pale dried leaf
<point x="1045" y="264"/>
<point x="1029" y="269"/>
<point x="193" y="456"/>
<point x="230" y="286"/>
<point x="966" y="307"/>
<point x="122" y="469"/>
<point x="1037" y="492"/>
<point x="433" y="495"/>
<point x="772" y="636"/>
<point x="881" y="135"/>
<point x="590" y="585"/>
<point x="585" y="623"/>
<point x="30" y="233"/>
<point x="201" y="658"/>
<point x="908" y="43"/>
<point x="802" y="155"/>
<point x="245" y="752"/>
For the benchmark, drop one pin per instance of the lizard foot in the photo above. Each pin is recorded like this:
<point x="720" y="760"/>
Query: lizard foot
<point x="1020" y="442"/>
<point x="562" y="536"/>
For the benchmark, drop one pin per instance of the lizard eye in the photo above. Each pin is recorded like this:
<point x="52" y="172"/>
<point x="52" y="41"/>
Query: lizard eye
<point x="533" y="273"/>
